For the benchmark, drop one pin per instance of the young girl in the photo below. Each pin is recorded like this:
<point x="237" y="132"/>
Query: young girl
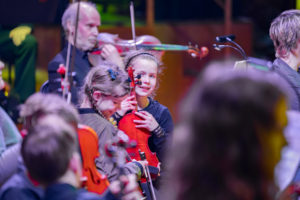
<point x="104" y="88"/>
<point x="155" y="117"/>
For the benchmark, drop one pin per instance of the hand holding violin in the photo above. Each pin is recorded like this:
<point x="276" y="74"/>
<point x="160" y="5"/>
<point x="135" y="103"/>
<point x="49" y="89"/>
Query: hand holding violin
<point x="148" y="121"/>
<point x="111" y="54"/>
<point x="126" y="105"/>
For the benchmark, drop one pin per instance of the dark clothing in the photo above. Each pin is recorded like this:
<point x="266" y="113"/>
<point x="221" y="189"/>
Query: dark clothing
<point x="163" y="117"/>
<point x="61" y="191"/>
<point x="106" y="132"/>
<point x="81" y="68"/>
<point x="24" y="59"/>
<point x="20" y="193"/>
<point x="292" y="78"/>
<point x="20" y="187"/>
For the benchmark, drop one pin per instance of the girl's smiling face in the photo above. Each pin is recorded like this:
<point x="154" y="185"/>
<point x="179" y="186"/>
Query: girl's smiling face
<point x="147" y="69"/>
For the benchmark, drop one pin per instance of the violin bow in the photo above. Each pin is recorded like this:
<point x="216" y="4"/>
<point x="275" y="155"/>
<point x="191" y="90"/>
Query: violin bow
<point x="148" y="176"/>
<point x="68" y="83"/>
<point x="142" y="154"/>
<point x="132" y="20"/>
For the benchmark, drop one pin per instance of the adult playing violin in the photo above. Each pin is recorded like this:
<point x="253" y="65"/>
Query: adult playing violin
<point x="87" y="32"/>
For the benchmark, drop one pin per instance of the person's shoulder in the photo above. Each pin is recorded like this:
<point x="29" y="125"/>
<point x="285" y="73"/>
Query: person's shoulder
<point x="280" y="66"/>
<point x="57" y="60"/>
<point x="20" y="187"/>
<point x="20" y="193"/>
<point x="156" y="104"/>
<point x="93" y="120"/>
<point x="87" y="115"/>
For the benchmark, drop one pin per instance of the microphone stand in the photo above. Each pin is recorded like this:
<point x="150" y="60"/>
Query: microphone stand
<point x="235" y="46"/>
<point x="220" y="47"/>
<point x="239" y="47"/>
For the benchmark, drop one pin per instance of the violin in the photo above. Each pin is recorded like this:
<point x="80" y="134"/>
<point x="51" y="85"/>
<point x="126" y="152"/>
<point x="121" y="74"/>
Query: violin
<point x="88" y="142"/>
<point x="146" y="42"/>
<point x="141" y="136"/>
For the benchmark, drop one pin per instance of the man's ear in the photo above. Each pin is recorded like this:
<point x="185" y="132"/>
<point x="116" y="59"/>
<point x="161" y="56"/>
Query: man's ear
<point x="70" y="27"/>
<point x="96" y="95"/>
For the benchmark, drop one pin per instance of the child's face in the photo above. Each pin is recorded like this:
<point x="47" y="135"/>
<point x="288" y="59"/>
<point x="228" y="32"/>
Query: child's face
<point x="148" y="71"/>
<point x="109" y="105"/>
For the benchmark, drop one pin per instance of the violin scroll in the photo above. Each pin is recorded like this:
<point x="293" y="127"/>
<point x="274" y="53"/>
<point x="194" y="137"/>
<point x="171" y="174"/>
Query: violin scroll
<point x="195" y="52"/>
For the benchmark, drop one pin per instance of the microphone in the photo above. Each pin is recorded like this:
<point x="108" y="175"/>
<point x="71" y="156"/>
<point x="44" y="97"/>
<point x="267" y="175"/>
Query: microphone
<point x="219" y="47"/>
<point x="225" y="38"/>
<point x="230" y="38"/>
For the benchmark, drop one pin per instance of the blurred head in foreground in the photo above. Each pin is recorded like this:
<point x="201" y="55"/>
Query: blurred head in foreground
<point x="230" y="139"/>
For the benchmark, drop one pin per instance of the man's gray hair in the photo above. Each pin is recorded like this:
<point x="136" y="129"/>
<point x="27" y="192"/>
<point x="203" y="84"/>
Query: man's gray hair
<point x="70" y="14"/>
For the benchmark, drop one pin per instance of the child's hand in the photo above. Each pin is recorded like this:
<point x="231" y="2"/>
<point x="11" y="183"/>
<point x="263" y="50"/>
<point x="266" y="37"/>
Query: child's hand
<point x="127" y="104"/>
<point x="144" y="163"/>
<point x="148" y="121"/>
<point x="126" y="188"/>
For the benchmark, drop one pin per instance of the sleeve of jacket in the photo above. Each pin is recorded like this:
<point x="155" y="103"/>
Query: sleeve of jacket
<point x="158" y="143"/>
<point x="9" y="162"/>
<point x="54" y="77"/>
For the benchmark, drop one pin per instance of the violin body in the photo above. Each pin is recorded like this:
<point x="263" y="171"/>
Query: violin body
<point x="88" y="142"/>
<point x="141" y="136"/>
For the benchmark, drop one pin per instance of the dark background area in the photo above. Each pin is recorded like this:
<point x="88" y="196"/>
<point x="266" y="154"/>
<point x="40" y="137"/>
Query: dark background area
<point x="259" y="12"/>
<point x="116" y="13"/>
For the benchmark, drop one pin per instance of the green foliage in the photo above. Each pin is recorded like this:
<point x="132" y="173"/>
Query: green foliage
<point x="116" y="12"/>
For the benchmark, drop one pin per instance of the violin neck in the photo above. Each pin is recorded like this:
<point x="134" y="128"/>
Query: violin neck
<point x="163" y="47"/>
<point x="132" y="83"/>
<point x="132" y="93"/>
